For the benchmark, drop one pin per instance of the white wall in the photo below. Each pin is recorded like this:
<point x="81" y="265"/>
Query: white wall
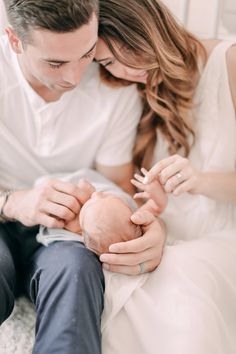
<point x="3" y="18"/>
<point x="203" y="16"/>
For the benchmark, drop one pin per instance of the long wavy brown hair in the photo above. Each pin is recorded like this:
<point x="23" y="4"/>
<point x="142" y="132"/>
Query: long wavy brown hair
<point x="155" y="41"/>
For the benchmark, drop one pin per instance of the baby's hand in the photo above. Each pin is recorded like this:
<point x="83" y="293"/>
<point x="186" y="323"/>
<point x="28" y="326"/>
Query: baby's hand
<point x="152" y="190"/>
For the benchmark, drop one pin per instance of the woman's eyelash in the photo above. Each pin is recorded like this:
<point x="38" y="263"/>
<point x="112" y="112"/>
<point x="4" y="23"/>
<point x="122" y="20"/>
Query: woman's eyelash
<point x="107" y="64"/>
<point x="89" y="55"/>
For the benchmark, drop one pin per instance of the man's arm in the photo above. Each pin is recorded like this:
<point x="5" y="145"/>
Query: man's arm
<point x="121" y="175"/>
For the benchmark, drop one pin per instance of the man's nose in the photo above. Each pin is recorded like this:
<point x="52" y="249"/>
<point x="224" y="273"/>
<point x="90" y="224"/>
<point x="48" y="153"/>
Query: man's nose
<point x="73" y="75"/>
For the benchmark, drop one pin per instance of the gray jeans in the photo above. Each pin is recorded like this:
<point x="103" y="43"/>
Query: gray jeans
<point x="65" y="282"/>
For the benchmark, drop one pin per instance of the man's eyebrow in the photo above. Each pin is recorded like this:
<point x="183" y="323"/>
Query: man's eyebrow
<point x="56" y="61"/>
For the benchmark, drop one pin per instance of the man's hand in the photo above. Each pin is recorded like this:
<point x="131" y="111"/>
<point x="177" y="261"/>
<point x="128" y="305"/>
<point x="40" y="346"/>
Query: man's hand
<point x="126" y="257"/>
<point x="52" y="203"/>
<point x="86" y="191"/>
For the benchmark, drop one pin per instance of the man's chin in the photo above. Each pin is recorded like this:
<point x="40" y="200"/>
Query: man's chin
<point x="60" y="88"/>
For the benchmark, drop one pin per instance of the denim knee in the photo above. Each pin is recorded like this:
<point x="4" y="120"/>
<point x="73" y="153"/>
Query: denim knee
<point x="69" y="264"/>
<point x="7" y="288"/>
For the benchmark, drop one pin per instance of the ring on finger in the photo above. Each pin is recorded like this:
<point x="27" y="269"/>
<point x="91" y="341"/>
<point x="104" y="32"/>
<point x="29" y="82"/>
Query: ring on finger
<point x="141" y="268"/>
<point x="179" y="177"/>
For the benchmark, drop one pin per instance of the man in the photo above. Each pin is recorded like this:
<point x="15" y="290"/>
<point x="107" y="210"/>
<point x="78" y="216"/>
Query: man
<point x="56" y="117"/>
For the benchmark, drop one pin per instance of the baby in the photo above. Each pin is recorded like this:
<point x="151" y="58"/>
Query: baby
<point x="104" y="219"/>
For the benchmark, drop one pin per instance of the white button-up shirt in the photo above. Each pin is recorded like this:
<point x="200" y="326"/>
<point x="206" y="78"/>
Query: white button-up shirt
<point x="90" y="124"/>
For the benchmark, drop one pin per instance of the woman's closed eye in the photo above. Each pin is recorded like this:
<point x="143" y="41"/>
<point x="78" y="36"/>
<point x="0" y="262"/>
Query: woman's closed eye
<point x="105" y="64"/>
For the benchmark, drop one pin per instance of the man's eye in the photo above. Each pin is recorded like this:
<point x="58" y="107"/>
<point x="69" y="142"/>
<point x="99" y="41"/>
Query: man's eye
<point x="55" y="66"/>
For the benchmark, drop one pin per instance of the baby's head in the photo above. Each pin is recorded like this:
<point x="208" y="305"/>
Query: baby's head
<point x="104" y="220"/>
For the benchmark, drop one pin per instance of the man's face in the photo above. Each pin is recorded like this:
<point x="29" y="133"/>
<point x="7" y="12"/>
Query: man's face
<point x="58" y="60"/>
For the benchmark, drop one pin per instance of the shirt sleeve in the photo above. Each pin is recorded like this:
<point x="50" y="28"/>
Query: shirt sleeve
<point x="119" y="137"/>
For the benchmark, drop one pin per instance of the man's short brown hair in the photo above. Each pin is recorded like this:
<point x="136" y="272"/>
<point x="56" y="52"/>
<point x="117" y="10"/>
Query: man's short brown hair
<point x="53" y="15"/>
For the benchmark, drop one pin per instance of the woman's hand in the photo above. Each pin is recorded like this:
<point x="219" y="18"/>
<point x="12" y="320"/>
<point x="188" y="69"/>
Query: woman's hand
<point x="141" y="255"/>
<point x="176" y="174"/>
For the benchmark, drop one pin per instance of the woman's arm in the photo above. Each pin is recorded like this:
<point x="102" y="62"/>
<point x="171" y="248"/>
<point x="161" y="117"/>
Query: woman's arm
<point x="216" y="185"/>
<point x="178" y="176"/>
<point x="231" y="65"/>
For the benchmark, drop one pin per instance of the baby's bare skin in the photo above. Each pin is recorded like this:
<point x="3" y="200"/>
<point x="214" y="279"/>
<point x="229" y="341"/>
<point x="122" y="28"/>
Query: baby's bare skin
<point x="105" y="220"/>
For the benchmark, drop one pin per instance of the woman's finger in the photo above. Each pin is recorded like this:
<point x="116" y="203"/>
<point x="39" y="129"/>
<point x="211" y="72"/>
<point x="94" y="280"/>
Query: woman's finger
<point x="144" y="171"/>
<point x="130" y="259"/>
<point x="183" y="187"/>
<point x="141" y="268"/>
<point x="171" y="171"/>
<point x="158" y="167"/>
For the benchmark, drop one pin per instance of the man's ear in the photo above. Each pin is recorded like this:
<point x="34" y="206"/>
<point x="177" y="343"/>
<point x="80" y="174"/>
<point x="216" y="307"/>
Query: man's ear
<point x="14" y="41"/>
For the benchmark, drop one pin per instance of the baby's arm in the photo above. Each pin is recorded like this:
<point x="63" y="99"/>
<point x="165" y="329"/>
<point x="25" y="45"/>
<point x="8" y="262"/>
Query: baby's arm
<point x="153" y="192"/>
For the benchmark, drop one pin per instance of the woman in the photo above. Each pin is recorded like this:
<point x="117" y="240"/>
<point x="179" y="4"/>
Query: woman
<point x="188" y="134"/>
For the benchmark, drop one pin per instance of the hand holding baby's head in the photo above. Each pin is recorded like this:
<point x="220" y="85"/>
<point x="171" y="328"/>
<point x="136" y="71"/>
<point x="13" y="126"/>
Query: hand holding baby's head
<point x="104" y="220"/>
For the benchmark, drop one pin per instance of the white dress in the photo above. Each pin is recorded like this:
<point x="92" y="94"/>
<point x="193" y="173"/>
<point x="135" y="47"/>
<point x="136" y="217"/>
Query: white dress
<point x="188" y="304"/>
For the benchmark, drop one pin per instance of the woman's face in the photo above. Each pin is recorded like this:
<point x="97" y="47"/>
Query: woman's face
<point x="105" y="57"/>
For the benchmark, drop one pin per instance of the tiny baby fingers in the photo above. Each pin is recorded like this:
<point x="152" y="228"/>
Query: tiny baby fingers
<point x="138" y="177"/>
<point x="144" y="171"/>
<point x="141" y="195"/>
<point x="137" y="184"/>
